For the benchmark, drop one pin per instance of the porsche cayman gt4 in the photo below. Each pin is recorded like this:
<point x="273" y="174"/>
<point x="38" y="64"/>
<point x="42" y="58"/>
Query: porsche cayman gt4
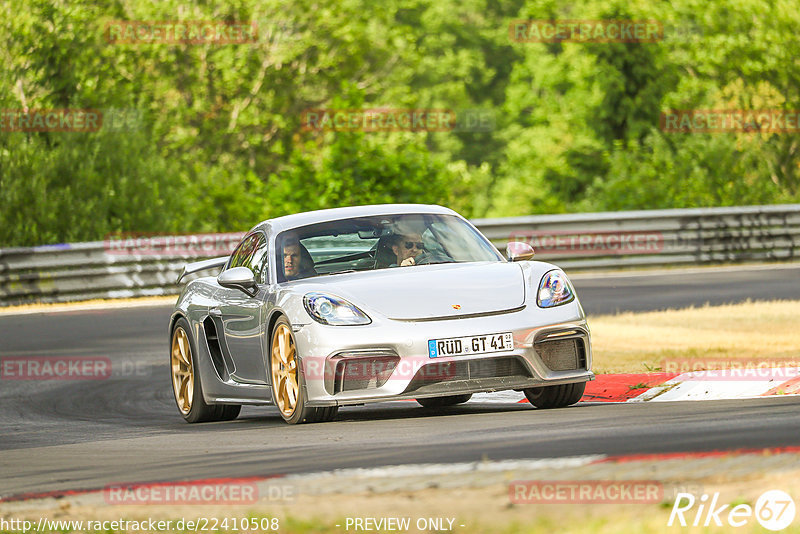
<point x="346" y="306"/>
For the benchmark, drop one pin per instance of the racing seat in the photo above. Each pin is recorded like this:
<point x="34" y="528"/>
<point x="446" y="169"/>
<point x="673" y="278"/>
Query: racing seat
<point x="384" y="255"/>
<point x="306" y="263"/>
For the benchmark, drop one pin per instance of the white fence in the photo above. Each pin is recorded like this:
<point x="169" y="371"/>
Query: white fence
<point x="138" y="267"/>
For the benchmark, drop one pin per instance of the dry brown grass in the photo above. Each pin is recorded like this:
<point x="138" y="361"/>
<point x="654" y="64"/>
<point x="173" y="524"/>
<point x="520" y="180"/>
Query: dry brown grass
<point x="641" y="342"/>
<point x="482" y="510"/>
<point x="93" y="304"/>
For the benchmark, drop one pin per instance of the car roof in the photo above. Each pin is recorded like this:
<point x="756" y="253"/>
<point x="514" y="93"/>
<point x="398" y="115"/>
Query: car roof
<point x="279" y="224"/>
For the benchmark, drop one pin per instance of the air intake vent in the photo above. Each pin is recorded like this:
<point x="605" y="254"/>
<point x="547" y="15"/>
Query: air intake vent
<point x="363" y="372"/>
<point x="562" y="355"/>
<point x="214" y="349"/>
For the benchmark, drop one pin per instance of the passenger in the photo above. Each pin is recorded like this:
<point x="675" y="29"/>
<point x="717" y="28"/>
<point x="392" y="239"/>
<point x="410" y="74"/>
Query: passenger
<point x="407" y="248"/>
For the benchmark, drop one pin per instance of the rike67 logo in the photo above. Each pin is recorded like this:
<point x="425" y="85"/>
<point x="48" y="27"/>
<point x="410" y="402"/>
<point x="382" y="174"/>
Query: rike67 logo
<point x="774" y="510"/>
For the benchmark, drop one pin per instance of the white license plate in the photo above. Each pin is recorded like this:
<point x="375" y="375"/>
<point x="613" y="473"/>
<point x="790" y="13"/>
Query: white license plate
<point x="459" y="346"/>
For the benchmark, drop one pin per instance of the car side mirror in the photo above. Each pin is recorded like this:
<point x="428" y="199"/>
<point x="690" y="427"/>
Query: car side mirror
<point x="519" y="251"/>
<point x="240" y="278"/>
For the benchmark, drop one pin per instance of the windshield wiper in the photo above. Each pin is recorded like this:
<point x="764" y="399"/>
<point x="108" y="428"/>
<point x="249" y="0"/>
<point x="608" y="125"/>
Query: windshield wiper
<point x="436" y="262"/>
<point x="343" y="272"/>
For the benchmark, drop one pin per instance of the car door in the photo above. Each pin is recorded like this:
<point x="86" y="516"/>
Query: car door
<point x="242" y="315"/>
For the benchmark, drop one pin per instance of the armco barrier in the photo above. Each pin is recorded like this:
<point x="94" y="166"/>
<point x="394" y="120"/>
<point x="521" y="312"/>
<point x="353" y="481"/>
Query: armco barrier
<point x="79" y="271"/>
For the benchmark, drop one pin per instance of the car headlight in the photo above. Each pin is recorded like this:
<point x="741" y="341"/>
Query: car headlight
<point x="554" y="290"/>
<point x="330" y="310"/>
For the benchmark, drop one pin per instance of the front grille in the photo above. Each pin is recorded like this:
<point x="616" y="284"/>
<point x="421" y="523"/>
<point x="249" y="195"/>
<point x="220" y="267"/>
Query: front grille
<point x="436" y="373"/>
<point x="496" y="367"/>
<point x="562" y="355"/>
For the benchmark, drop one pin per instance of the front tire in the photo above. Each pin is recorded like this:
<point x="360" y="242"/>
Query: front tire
<point x="288" y="381"/>
<point x="555" y="396"/>
<point x="441" y="402"/>
<point x="186" y="384"/>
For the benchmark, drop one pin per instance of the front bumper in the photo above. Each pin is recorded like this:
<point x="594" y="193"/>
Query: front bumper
<point x="388" y="359"/>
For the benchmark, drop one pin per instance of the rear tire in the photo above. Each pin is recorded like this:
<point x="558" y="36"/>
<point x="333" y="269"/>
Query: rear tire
<point x="186" y="384"/>
<point x="288" y="381"/>
<point x="230" y="411"/>
<point x="441" y="402"/>
<point x="555" y="396"/>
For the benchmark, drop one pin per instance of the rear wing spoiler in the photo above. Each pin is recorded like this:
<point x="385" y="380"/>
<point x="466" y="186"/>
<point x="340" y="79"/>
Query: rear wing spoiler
<point x="190" y="268"/>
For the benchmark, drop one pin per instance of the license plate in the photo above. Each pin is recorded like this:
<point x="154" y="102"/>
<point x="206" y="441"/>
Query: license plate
<point x="459" y="346"/>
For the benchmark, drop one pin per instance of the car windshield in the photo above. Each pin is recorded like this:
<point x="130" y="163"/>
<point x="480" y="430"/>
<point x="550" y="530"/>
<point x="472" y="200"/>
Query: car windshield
<point x="380" y="242"/>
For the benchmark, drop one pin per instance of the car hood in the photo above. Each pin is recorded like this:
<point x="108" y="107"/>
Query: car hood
<point x="428" y="291"/>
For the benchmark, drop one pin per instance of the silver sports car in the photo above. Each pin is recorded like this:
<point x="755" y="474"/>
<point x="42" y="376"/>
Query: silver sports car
<point x="373" y="303"/>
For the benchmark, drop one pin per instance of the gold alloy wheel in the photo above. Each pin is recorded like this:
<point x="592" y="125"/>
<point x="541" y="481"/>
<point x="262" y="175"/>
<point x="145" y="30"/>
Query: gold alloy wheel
<point x="182" y="370"/>
<point x="284" y="370"/>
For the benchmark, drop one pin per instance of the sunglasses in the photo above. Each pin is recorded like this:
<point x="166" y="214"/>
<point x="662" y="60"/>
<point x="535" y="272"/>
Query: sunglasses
<point x="412" y="244"/>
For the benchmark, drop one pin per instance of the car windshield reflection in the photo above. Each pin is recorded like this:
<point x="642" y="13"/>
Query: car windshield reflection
<point x="380" y="242"/>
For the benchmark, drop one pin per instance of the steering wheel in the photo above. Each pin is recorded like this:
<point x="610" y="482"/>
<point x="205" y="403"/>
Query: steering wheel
<point x="431" y="257"/>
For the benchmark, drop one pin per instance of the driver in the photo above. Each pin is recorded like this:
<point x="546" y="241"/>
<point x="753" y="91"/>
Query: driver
<point x="296" y="260"/>
<point x="407" y="247"/>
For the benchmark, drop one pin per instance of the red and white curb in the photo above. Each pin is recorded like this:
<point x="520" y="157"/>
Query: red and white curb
<point x="660" y="387"/>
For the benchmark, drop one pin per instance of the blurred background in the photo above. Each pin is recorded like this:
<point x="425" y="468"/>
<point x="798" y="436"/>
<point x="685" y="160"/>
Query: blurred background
<point x="210" y="136"/>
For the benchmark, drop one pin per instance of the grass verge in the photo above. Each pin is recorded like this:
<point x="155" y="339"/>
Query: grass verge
<point x="644" y="342"/>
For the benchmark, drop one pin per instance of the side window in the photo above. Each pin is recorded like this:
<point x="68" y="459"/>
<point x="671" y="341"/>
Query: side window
<point x="258" y="262"/>
<point x="243" y="252"/>
<point x="252" y="253"/>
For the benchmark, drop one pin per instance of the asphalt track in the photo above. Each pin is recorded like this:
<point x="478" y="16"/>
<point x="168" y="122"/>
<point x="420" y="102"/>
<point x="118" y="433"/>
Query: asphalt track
<point x="65" y="435"/>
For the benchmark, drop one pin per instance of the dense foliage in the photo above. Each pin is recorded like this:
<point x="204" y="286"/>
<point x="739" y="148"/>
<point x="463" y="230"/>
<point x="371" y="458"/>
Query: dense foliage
<point x="213" y="141"/>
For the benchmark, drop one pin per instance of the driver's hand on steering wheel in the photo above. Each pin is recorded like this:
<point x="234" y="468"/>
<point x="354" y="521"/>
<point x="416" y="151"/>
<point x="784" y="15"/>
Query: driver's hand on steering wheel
<point x="408" y="261"/>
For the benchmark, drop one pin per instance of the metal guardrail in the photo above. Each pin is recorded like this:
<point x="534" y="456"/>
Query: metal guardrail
<point x="611" y="240"/>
